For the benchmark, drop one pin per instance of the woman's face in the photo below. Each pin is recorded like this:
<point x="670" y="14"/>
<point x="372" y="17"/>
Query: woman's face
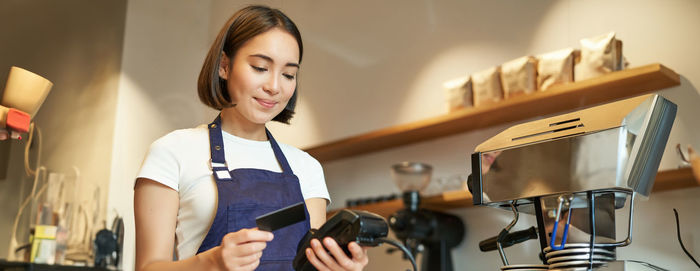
<point x="263" y="76"/>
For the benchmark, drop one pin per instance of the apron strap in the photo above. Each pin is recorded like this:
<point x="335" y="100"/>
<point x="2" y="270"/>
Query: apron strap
<point x="217" y="163"/>
<point x="278" y="154"/>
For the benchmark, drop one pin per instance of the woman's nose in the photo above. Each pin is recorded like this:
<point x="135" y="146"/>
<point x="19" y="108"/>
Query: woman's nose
<point x="272" y="85"/>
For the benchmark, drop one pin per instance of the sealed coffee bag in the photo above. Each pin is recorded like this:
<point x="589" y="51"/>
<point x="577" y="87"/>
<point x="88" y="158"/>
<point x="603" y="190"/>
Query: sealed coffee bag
<point x="487" y="86"/>
<point x="555" y="68"/>
<point x="458" y="93"/>
<point x="599" y="55"/>
<point x="519" y="76"/>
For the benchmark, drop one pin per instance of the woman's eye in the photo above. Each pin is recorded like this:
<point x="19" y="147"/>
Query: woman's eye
<point x="260" y="69"/>
<point x="289" y="76"/>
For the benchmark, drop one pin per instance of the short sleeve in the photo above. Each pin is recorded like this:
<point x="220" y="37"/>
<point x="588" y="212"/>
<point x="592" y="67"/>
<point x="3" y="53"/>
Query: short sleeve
<point x="161" y="164"/>
<point x="314" y="183"/>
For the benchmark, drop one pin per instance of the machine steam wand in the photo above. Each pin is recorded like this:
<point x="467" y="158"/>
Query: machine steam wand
<point x="504" y="233"/>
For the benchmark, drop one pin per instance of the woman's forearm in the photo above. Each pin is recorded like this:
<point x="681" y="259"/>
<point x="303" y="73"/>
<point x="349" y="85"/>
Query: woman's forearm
<point x="203" y="261"/>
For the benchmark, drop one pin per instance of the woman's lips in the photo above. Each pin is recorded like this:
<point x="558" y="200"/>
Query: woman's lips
<point x="266" y="103"/>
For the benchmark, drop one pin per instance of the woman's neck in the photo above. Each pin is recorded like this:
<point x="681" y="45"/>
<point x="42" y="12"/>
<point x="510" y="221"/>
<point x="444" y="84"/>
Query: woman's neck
<point x="234" y="123"/>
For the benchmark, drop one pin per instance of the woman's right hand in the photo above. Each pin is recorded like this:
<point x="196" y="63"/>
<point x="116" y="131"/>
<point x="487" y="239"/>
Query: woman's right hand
<point x="241" y="250"/>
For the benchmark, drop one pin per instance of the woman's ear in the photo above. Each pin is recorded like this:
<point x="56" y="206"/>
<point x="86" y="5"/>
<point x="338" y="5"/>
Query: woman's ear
<point x="224" y="66"/>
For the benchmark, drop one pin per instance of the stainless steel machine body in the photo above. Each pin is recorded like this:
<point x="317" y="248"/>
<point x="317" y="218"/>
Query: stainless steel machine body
<point x="573" y="171"/>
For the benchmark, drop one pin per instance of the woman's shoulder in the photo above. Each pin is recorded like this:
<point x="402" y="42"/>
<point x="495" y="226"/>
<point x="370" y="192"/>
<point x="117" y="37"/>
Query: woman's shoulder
<point x="183" y="137"/>
<point x="298" y="154"/>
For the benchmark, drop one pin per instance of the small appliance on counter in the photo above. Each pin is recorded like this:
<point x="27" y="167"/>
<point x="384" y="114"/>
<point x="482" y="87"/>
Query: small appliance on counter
<point x="109" y="244"/>
<point x="578" y="173"/>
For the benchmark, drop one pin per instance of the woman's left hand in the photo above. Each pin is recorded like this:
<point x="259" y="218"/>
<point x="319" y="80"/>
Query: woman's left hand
<point x="337" y="259"/>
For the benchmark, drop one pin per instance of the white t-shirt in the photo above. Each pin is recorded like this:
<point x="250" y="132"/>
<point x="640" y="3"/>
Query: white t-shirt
<point x="180" y="160"/>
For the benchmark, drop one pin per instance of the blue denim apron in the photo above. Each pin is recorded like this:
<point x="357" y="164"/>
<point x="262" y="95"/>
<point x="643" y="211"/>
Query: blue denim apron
<point x="246" y="193"/>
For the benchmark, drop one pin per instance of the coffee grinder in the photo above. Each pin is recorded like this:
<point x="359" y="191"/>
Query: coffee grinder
<point x="429" y="232"/>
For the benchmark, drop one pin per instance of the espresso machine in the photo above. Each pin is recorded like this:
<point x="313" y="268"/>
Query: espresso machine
<point x="578" y="174"/>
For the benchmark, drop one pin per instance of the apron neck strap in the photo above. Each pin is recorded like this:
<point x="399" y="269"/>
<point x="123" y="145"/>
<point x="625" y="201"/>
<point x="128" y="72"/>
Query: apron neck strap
<point x="216" y="142"/>
<point x="278" y="153"/>
<point x="218" y="156"/>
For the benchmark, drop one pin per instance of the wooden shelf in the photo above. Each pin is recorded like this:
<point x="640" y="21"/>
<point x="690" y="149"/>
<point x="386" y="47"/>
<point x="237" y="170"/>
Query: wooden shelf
<point x="675" y="179"/>
<point x="606" y="88"/>
<point x="665" y="180"/>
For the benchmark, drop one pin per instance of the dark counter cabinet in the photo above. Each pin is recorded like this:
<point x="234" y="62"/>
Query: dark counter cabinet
<point x="25" y="266"/>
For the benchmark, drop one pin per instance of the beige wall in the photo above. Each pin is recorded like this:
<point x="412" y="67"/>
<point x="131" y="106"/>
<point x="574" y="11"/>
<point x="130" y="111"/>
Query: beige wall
<point x="77" y="45"/>
<point x="164" y="45"/>
<point x="373" y="64"/>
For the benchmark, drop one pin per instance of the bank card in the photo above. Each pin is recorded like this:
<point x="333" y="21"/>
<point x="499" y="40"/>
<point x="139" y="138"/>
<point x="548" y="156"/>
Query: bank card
<point x="281" y="218"/>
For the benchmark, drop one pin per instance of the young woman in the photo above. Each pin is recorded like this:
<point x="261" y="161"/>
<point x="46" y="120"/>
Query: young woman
<point x="202" y="188"/>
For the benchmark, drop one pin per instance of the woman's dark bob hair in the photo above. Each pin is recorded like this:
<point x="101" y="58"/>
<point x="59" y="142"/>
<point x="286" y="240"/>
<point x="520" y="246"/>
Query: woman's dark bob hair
<point x="241" y="27"/>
